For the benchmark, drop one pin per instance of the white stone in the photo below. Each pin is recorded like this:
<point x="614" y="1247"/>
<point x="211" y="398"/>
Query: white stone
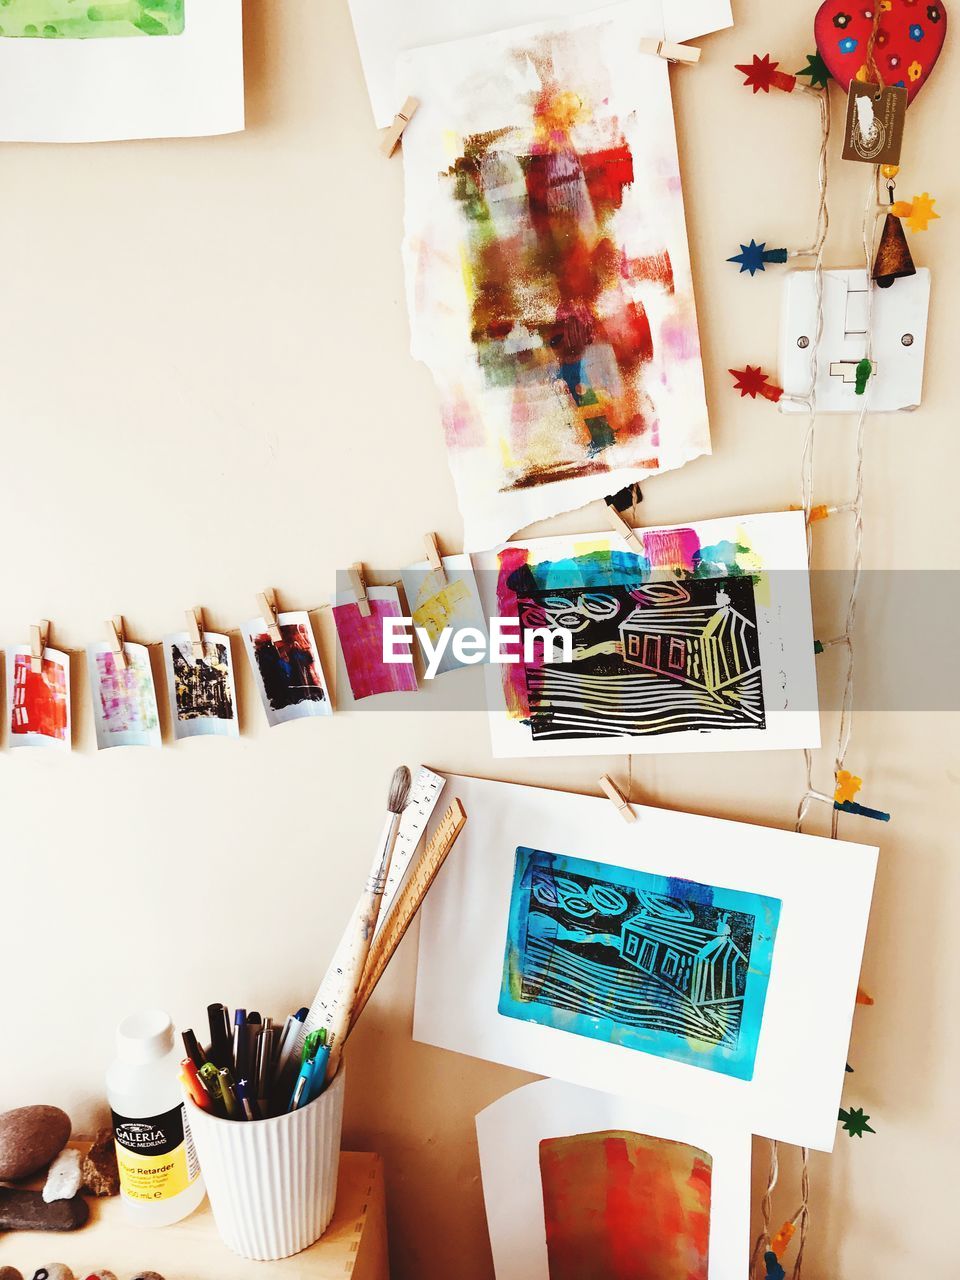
<point x="63" y="1180"/>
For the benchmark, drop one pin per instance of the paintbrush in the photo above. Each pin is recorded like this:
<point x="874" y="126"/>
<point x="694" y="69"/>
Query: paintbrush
<point x="333" y="1004"/>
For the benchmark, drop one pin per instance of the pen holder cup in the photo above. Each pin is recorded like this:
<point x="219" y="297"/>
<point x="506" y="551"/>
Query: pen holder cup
<point x="272" y="1183"/>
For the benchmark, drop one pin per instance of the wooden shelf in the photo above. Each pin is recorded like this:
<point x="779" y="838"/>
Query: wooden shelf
<point x="354" y="1245"/>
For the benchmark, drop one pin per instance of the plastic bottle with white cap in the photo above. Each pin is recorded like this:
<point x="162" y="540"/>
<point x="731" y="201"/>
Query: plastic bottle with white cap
<point x="160" y="1180"/>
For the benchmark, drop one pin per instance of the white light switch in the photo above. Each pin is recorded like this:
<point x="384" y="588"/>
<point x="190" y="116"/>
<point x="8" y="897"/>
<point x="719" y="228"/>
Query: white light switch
<point x="899" y="341"/>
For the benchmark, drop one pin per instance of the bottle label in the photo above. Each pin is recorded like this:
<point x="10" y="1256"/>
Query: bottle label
<point x="155" y="1155"/>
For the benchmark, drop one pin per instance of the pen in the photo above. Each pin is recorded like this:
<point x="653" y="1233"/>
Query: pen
<point x="192" y="1046"/>
<point x="211" y="1078"/>
<point x="229" y="1096"/>
<point x="318" y="1077"/>
<point x="314" y="1042"/>
<point x="195" y="1086"/>
<point x="246" y="1063"/>
<point x="287" y="1061"/>
<point x="220" y="1051"/>
<point x="239" y="1018"/>
<point x="264" y="1071"/>
<point x="247" y="1104"/>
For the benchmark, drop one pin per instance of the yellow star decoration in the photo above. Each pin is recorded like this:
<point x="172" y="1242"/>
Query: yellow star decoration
<point x="848" y="784"/>
<point x="923" y="212"/>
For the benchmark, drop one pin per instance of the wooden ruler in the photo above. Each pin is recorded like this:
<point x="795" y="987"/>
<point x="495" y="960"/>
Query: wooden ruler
<point x="424" y="794"/>
<point x="408" y="901"/>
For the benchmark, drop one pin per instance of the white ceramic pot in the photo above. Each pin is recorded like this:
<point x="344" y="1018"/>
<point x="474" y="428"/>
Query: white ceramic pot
<point x="272" y="1183"/>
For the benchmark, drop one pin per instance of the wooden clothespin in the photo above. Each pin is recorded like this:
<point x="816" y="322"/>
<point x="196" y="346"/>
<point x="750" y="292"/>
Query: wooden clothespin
<point x="117" y="640"/>
<point x="391" y="139"/>
<point x="39" y="639"/>
<point x="686" y="53"/>
<point x="359" y="587"/>
<point x="434" y="559"/>
<point x="267" y="604"/>
<point x="196" y="628"/>
<point x="618" y="799"/>
<point x="619" y="525"/>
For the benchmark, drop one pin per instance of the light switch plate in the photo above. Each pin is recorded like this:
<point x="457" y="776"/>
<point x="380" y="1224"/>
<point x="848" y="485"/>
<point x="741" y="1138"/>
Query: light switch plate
<point x="899" y="341"/>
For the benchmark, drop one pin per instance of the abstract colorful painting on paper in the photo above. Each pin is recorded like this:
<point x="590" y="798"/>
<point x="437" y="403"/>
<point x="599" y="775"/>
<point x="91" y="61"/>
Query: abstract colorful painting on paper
<point x="548" y="272"/>
<point x="696" y="961"/>
<point x="78" y="20"/>
<point x="625" y="1206"/>
<point x="124" y="698"/>
<point x="362" y="645"/>
<point x="39" y="702"/>
<point x="203" y="697"/>
<point x="662" y="965"/>
<point x="437" y="602"/>
<point x="289" y="675"/>
<point x="582" y="1185"/>
<point x="700" y="639"/>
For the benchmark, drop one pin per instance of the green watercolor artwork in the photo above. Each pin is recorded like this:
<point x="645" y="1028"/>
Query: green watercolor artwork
<point x="78" y="20"/>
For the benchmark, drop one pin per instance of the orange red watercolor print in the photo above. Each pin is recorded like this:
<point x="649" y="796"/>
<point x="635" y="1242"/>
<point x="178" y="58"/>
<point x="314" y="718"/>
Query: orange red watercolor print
<point x="624" y="1206"/>
<point x="39" y="699"/>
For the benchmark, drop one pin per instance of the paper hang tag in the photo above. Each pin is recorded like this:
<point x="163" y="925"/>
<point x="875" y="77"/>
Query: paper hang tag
<point x="873" y="132"/>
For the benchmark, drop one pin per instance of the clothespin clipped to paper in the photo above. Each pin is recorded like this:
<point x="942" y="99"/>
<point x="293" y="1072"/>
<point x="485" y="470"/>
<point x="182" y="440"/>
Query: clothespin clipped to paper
<point x="117" y="640"/>
<point x="359" y="587"/>
<point x="434" y="559"/>
<point x="619" y="525"/>
<point x="685" y="53"/>
<point x="267" y="604"/>
<point x="617" y="799"/>
<point x="196" y="628"/>
<point x="391" y="139"/>
<point x="39" y="639"/>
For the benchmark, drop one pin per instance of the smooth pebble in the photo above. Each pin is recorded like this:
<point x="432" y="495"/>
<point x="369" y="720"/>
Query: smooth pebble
<point x="141" y="1275"/>
<point x="63" y="1178"/>
<point x="10" y="1273"/>
<point x="54" y="1271"/>
<point x="30" y="1137"/>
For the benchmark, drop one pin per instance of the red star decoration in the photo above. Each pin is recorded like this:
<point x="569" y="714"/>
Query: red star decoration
<point x="754" y="382"/>
<point x="763" y="74"/>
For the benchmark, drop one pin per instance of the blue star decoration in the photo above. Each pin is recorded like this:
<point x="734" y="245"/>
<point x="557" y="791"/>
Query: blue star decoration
<point x="774" y="1269"/>
<point x="855" y="1122"/>
<point x="817" y="70"/>
<point x="754" y="257"/>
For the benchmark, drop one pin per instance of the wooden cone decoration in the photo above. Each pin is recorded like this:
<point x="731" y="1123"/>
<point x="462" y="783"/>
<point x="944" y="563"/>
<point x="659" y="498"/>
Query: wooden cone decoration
<point x="893" y="257"/>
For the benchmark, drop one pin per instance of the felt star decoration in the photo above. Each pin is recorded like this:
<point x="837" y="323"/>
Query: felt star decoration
<point x="754" y="257"/>
<point x="855" y="1122"/>
<point x="754" y="382"/>
<point x="772" y="1264"/>
<point x="762" y="74"/>
<point x="848" y="784"/>
<point x="917" y="213"/>
<point x="817" y="70"/>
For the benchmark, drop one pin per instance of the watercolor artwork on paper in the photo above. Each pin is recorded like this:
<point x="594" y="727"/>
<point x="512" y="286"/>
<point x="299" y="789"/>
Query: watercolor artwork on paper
<point x="78" y="20"/>
<point x="203" y="697"/>
<point x="288" y="674"/>
<point x="124" y="698"/>
<point x="440" y="601"/>
<point x="611" y="1199"/>
<point x="548" y="272"/>
<point x="584" y="1185"/>
<point x="664" y="966"/>
<point x="39" y="701"/>
<point x="362" y="644"/>
<point x="695" y="638"/>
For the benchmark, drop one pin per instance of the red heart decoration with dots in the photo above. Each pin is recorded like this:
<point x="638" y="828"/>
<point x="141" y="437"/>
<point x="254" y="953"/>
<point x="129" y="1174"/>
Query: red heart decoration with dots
<point x="909" y="39"/>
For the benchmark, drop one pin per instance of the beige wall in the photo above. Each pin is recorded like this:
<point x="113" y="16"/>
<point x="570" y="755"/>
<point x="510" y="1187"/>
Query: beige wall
<point x="205" y="388"/>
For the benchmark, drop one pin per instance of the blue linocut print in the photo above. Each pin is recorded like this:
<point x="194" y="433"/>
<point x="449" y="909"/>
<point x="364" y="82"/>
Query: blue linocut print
<point x="665" y="966"/>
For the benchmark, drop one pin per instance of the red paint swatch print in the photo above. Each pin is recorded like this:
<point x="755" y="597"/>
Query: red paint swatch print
<point x="39" y="699"/>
